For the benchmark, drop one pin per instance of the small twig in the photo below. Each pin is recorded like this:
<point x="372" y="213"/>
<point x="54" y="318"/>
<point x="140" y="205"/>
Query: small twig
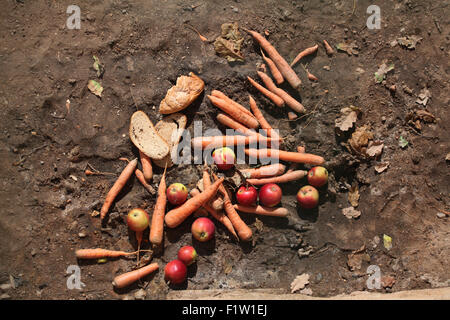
<point x="354" y="7"/>
<point x="312" y="112"/>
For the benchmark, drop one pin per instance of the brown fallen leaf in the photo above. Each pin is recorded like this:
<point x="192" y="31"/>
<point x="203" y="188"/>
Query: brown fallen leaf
<point x="409" y="42"/>
<point x="425" y="116"/>
<point x="351" y="48"/>
<point x="351" y="212"/>
<point x="259" y="225"/>
<point x="355" y="260"/>
<point x="353" y="195"/>
<point x="228" y="44"/>
<point x="387" y="281"/>
<point x="299" y="282"/>
<point x="360" y="139"/>
<point x="95" y="87"/>
<point x="348" y="117"/>
<point x="374" y="149"/>
<point x="380" y="167"/>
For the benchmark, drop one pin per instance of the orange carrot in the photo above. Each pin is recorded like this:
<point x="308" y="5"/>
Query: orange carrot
<point x="223" y="96"/>
<point x="100" y="253"/>
<point x="118" y="185"/>
<point x="231" y="123"/>
<point x="147" y="168"/>
<point x="273" y="69"/>
<point x="266" y="211"/>
<point x="287" y="177"/>
<point x="157" y="224"/>
<point x="328" y="48"/>
<point x="262" y="121"/>
<point x="291" y="102"/>
<point x="292" y="115"/>
<point x="176" y="216"/>
<point x="219" y="216"/>
<point x="264" y="171"/>
<point x="219" y="141"/>
<point x="304" y="53"/>
<point x="235" y="113"/>
<point x="294" y="165"/>
<point x="269" y="94"/>
<point x="281" y="64"/>
<point x="216" y="201"/>
<point x="244" y="232"/>
<point x="286" y="156"/>
<point x="140" y="176"/>
<point x="311" y="76"/>
<point x="128" y="278"/>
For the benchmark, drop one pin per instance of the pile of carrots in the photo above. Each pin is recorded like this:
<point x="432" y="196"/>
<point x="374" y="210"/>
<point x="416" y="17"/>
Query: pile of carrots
<point x="215" y="198"/>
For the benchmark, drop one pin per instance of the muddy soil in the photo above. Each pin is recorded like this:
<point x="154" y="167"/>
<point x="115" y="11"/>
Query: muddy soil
<point x="47" y="200"/>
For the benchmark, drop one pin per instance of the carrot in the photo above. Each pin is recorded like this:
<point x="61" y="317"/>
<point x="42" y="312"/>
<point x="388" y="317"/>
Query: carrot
<point x="118" y="185"/>
<point x="244" y="232"/>
<point x="219" y="141"/>
<point x="328" y="48"/>
<point x="223" y="96"/>
<point x="217" y="215"/>
<point x="292" y="115"/>
<point x="273" y="69"/>
<point x="264" y="171"/>
<point x="294" y="165"/>
<point x="235" y="113"/>
<point x="216" y="201"/>
<point x="262" y="121"/>
<point x="157" y="224"/>
<point x="311" y="76"/>
<point x="176" y="216"/>
<point x="269" y="94"/>
<point x="89" y="172"/>
<point x="100" y="253"/>
<point x="266" y="211"/>
<point x="304" y="53"/>
<point x="128" y="278"/>
<point x="147" y="168"/>
<point x="140" y="176"/>
<point x="231" y="123"/>
<point x="279" y="61"/>
<point x="286" y="156"/>
<point x="291" y="102"/>
<point x="287" y="177"/>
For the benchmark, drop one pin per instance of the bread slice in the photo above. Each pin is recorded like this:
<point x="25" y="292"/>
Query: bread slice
<point x="171" y="129"/>
<point x="145" y="137"/>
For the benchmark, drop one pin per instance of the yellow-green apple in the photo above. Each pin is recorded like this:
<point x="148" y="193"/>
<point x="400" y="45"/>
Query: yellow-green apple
<point x="224" y="158"/>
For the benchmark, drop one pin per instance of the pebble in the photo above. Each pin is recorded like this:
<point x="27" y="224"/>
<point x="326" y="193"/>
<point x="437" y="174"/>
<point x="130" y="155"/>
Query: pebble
<point x="441" y="215"/>
<point x="82" y="235"/>
<point x="33" y="252"/>
<point x="328" y="68"/>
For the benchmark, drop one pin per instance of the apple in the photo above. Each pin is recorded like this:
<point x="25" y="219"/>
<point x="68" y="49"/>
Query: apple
<point x="224" y="158"/>
<point x="308" y="197"/>
<point x="203" y="229"/>
<point x="247" y="195"/>
<point x="177" y="193"/>
<point x="317" y="176"/>
<point x="175" y="272"/>
<point x="187" y="255"/>
<point x="270" y="195"/>
<point x="138" y="220"/>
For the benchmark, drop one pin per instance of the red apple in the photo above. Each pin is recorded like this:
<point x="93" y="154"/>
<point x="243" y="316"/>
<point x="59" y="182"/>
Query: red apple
<point x="247" y="195"/>
<point x="203" y="229"/>
<point x="177" y="193"/>
<point x="138" y="220"/>
<point x="317" y="176"/>
<point x="224" y="158"/>
<point x="270" y="195"/>
<point x="187" y="255"/>
<point x="308" y="197"/>
<point x="175" y="272"/>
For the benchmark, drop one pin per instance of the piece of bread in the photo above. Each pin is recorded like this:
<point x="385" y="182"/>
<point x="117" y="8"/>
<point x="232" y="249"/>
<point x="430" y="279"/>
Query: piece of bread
<point x="145" y="137"/>
<point x="170" y="129"/>
<point x="187" y="89"/>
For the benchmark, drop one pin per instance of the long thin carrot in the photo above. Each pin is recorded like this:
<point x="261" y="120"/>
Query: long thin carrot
<point x="216" y="201"/>
<point x="147" y="168"/>
<point x="265" y="211"/>
<point x="273" y="69"/>
<point x="209" y="142"/>
<point x="287" y="177"/>
<point x="262" y="121"/>
<point x="244" y="232"/>
<point x="294" y="165"/>
<point x="235" y="113"/>
<point x="328" y="48"/>
<point x="269" y="94"/>
<point x="219" y="216"/>
<point x="140" y="176"/>
<point x="264" y="171"/>
<point x="117" y="186"/>
<point x="231" y="123"/>
<point x="223" y="96"/>
<point x="128" y="278"/>
<point x="281" y="64"/>
<point x="157" y="223"/>
<point x="176" y="216"/>
<point x="304" y="53"/>
<point x="291" y="102"/>
<point x="100" y="253"/>
<point x="286" y="156"/>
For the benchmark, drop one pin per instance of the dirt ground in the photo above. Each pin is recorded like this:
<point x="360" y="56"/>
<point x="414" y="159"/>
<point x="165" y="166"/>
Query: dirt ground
<point x="47" y="200"/>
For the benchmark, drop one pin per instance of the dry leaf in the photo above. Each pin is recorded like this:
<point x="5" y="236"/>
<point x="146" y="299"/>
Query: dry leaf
<point x="423" y="97"/>
<point x="306" y="291"/>
<point x="95" y="87"/>
<point x="348" y="117"/>
<point x="98" y="67"/>
<point x="259" y="225"/>
<point x="387" y="281"/>
<point x="384" y="69"/>
<point x="229" y="43"/>
<point x="374" y="149"/>
<point x="354" y="261"/>
<point x="299" y="282"/>
<point x="353" y="195"/>
<point x="351" y="212"/>
<point x="360" y="139"/>
<point x="425" y="116"/>
<point x="350" y="48"/>
<point x="409" y="41"/>
<point x="380" y="167"/>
